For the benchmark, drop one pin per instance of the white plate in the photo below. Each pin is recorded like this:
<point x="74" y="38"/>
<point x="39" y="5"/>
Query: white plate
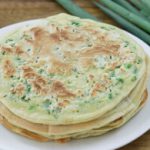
<point x="112" y="140"/>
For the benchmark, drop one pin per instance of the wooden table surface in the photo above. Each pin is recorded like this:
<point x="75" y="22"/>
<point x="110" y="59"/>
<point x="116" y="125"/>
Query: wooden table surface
<point x="12" y="11"/>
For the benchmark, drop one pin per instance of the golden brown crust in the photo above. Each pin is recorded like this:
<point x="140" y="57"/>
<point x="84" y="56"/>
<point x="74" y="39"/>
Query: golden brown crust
<point x="145" y="96"/>
<point x="18" y="50"/>
<point x="111" y="49"/>
<point x="59" y="67"/>
<point x="39" y="87"/>
<point x="97" y="87"/>
<point x="24" y="132"/>
<point x="68" y="69"/>
<point x="28" y="72"/>
<point x="38" y="82"/>
<point x="61" y="91"/>
<point x="19" y="89"/>
<point x="9" y="69"/>
<point x="6" y="50"/>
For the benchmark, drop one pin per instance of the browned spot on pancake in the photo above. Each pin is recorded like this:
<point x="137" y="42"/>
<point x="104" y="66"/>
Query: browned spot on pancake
<point x="27" y="69"/>
<point x="55" y="37"/>
<point x="100" y="37"/>
<point x="71" y="56"/>
<point x="28" y="72"/>
<point x="102" y="85"/>
<point x="91" y="76"/>
<point x="104" y="49"/>
<point x="7" y="50"/>
<point x="18" y="51"/>
<point x="39" y="87"/>
<point x="42" y="41"/>
<point x="87" y="62"/>
<point x="38" y="82"/>
<point x="8" y="68"/>
<point x="29" y="75"/>
<point x="97" y="88"/>
<point x="105" y="80"/>
<point x="64" y="103"/>
<point x="66" y="34"/>
<point x="122" y="70"/>
<point x="39" y="64"/>
<point x="42" y="35"/>
<point x="60" y="67"/>
<point x="15" y="50"/>
<point x="39" y="34"/>
<point x="19" y="89"/>
<point x="63" y="140"/>
<point x="112" y="65"/>
<point x="61" y="91"/>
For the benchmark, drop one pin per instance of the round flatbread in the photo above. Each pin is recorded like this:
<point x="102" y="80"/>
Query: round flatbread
<point x="67" y="70"/>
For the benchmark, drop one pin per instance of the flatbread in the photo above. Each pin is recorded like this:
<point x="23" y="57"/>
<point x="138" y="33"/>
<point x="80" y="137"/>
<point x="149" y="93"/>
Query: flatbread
<point x="66" y="78"/>
<point x="95" y="132"/>
<point x="67" y="70"/>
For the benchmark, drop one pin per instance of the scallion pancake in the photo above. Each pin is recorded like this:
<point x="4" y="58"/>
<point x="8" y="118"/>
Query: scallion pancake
<point x="66" y="70"/>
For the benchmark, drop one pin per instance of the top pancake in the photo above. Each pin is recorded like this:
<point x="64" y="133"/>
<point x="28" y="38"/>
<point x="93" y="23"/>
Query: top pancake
<point x="65" y="70"/>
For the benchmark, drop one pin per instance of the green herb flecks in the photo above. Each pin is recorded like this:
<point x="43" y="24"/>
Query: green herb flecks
<point x="17" y="58"/>
<point x="112" y="74"/>
<point x="3" y="53"/>
<point x="69" y="82"/>
<point x="126" y="43"/>
<point x="135" y="70"/>
<point x="76" y="76"/>
<point x="28" y="88"/>
<point x="105" y="28"/>
<point x="139" y="60"/>
<point x="128" y="66"/>
<point x="26" y="37"/>
<point x="29" y="49"/>
<point x="134" y="78"/>
<point x="5" y="95"/>
<point x="120" y="80"/>
<point x="9" y="40"/>
<point x="25" y="99"/>
<point x="118" y="66"/>
<point x="32" y="108"/>
<point x="47" y="103"/>
<point x="110" y="96"/>
<point x="75" y="23"/>
<point x="87" y="81"/>
<point x="51" y="75"/>
<point x="41" y="71"/>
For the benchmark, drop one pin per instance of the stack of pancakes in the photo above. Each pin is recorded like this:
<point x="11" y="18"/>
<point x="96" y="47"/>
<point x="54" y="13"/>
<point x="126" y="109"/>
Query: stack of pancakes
<point x="66" y="78"/>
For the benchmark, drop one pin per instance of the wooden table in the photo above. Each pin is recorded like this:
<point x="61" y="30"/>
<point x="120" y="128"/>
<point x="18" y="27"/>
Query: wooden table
<point x="12" y="11"/>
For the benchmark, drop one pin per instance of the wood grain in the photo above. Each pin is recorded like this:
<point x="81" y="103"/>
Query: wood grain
<point x="13" y="11"/>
